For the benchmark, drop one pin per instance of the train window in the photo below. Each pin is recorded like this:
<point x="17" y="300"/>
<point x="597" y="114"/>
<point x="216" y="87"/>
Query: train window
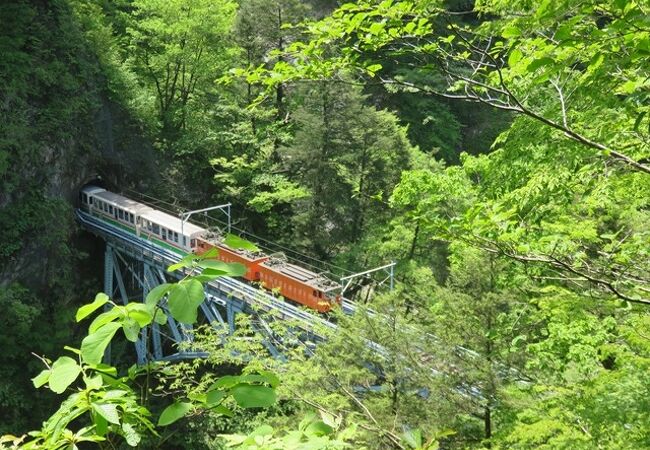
<point x="131" y="218"/>
<point x="155" y="228"/>
<point x="192" y="242"/>
<point x="175" y="236"/>
<point x="90" y="200"/>
<point x="184" y="241"/>
<point x="110" y="209"/>
<point x="315" y="294"/>
<point x="163" y="232"/>
<point x="120" y="214"/>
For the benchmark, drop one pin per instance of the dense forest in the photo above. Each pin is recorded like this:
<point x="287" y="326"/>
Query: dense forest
<point x="498" y="151"/>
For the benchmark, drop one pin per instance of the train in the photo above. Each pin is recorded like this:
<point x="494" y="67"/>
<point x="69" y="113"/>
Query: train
<point x="272" y="271"/>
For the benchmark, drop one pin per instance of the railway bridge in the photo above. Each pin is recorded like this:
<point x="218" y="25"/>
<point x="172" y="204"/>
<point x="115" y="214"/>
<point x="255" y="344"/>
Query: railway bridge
<point x="134" y="265"/>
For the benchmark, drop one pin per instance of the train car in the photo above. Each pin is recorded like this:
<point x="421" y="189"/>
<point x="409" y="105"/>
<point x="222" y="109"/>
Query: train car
<point x="144" y="221"/>
<point x="300" y="285"/>
<point x="293" y="282"/>
<point x="169" y="231"/>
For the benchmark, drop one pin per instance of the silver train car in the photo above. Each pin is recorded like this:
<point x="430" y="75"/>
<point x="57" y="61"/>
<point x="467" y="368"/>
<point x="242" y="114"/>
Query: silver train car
<point x="159" y="227"/>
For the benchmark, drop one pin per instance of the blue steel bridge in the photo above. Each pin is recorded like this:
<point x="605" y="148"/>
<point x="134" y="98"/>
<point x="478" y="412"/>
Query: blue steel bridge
<point x="133" y="266"/>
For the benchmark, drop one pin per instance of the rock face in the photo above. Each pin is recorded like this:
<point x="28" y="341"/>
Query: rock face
<point x="58" y="130"/>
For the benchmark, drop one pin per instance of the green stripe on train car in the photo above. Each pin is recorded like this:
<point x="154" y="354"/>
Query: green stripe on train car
<point x="143" y="236"/>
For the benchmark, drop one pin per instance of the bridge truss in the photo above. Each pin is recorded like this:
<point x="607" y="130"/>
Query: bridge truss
<point x="133" y="266"/>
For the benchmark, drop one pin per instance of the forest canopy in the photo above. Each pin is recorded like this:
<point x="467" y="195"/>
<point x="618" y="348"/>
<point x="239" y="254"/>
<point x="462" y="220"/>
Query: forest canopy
<point x="497" y="151"/>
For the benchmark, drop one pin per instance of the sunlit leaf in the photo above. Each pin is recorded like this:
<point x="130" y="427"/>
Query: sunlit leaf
<point x="236" y="242"/>
<point x="108" y="411"/>
<point x="65" y="371"/>
<point x="253" y="396"/>
<point x="94" y="345"/>
<point x="174" y="412"/>
<point x="157" y="293"/>
<point x="184" y="300"/>
<point x="100" y="300"/>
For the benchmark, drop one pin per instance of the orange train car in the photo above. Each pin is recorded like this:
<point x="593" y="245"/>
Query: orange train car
<point x="300" y="285"/>
<point x="293" y="282"/>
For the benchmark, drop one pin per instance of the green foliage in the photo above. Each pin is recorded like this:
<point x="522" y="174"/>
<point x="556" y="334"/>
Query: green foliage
<point x="517" y="320"/>
<point x="311" y="433"/>
<point x="112" y="404"/>
<point x="176" y="48"/>
<point x="553" y="216"/>
<point x="348" y="155"/>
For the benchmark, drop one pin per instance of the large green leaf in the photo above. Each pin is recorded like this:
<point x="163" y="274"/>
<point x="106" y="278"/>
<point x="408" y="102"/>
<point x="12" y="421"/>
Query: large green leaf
<point x="105" y="318"/>
<point x="140" y="312"/>
<point x="131" y="435"/>
<point x="221" y="410"/>
<point x="131" y="329"/>
<point x="42" y="378"/>
<point x="186" y="261"/>
<point x="101" y="424"/>
<point x="226" y="381"/>
<point x="319" y="428"/>
<point x="157" y="293"/>
<point x="108" y="411"/>
<point x="214" y="397"/>
<point x="94" y="345"/>
<point x="100" y="300"/>
<point x="253" y="396"/>
<point x="214" y="267"/>
<point x="174" y="412"/>
<point x="264" y="376"/>
<point x="233" y="241"/>
<point x="64" y="371"/>
<point x="184" y="299"/>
